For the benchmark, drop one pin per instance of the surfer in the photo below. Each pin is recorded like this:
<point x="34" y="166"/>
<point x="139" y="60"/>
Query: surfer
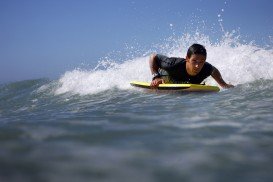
<point x="194" y="69"/>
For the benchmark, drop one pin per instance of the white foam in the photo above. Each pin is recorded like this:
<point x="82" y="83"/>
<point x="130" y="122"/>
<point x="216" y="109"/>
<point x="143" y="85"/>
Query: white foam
<point x="238" y="63"/>
<point x="89" y="82"/>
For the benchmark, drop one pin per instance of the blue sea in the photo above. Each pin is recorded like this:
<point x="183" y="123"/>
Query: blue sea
<point x="91" y="125"/>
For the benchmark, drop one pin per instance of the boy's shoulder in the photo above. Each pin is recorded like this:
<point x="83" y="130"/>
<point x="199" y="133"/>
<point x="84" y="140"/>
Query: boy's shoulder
<point x="169" y="59"/>
<point x="208" y="68"/>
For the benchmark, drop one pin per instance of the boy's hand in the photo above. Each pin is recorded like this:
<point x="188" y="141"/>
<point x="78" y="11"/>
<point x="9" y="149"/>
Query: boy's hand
<point x="156" y="82"/>
<point x="228" y="86"/>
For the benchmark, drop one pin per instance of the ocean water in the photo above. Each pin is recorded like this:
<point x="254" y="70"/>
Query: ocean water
<point x="91" y="125"/>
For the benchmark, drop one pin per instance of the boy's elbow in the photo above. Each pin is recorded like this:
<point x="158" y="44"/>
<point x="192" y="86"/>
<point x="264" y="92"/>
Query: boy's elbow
<point x="152" y="56"/>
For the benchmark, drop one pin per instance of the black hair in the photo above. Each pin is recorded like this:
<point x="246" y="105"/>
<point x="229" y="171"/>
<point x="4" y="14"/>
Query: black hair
<point x="196" y="49"/>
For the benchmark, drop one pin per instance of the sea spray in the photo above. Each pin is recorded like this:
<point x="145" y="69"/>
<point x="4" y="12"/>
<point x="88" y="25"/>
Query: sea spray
<point x="94" y="81"/>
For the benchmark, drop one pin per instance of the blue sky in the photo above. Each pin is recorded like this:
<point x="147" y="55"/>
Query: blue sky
<point x="41" y="38"/>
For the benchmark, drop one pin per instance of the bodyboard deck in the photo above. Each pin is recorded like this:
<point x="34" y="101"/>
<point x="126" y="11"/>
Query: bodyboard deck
<point x="178" y="87"/>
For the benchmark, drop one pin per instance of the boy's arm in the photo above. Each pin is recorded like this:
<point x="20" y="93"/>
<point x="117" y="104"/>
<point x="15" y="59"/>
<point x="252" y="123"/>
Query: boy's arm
<point x="153" y="66"/>
<point x="154" y="70"/>
<point x="218" y="78"/>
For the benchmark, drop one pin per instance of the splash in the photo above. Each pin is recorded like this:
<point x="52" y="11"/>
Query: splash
<point x="238" y="63"/>
<point x="98" y="80"/>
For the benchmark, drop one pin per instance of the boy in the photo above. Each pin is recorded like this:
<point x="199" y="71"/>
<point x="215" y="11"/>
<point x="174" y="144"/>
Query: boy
<point x="194" y="69"/>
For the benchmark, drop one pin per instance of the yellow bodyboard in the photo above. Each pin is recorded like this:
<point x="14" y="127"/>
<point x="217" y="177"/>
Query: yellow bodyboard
<point x="178" y="87"/>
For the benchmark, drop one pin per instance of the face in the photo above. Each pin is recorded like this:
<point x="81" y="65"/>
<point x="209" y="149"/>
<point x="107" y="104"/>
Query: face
<point x="195" y="63"/>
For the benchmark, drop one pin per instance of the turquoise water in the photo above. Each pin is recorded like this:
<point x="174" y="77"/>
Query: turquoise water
<point x="132" y="135"/>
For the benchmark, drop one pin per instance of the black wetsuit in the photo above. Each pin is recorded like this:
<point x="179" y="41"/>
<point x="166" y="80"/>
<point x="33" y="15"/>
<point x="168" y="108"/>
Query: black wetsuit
<point x="176" y="70"/>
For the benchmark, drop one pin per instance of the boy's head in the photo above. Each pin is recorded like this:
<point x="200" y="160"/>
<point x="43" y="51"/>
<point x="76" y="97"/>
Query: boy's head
<point x="196" y="49"/>
<point x="195" y="59"/>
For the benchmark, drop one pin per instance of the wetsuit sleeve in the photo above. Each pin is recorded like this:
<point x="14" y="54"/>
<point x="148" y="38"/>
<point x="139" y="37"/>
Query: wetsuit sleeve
<point x="165" y="62"/>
